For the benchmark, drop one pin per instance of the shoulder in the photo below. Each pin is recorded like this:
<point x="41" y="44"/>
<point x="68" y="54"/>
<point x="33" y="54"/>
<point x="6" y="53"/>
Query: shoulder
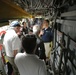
<point x="19" y="56"/>
<point x="15" y="37"/>
<point x="40" y="62"/>
<point x="42" y="66"/>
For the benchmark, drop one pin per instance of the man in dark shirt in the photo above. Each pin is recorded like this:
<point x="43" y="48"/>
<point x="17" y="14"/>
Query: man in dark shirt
<point x="46" y="33"/>
<point x="47" y="36"/>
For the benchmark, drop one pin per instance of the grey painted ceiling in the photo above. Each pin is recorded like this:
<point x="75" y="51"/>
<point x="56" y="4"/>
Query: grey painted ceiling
<point x="35" y="6"/>
<point x="43" y="7"/>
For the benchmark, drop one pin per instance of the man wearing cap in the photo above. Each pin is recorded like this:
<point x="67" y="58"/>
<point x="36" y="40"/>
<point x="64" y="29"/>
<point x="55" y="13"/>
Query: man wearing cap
<point x="12" y="44"/>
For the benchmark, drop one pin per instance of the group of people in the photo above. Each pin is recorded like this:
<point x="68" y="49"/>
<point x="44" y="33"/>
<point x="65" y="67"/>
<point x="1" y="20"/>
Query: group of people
<point x="25" y="50"/>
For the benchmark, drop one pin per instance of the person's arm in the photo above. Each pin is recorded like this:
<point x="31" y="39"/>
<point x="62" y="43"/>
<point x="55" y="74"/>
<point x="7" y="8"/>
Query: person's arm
<point x="51" y="34"/>
<point x="15" y="52"/>
<point x="16" y="44"/>
<point x="41" y="33"/>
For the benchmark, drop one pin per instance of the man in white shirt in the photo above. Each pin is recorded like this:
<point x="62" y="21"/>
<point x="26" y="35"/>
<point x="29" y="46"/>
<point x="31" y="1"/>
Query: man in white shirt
<point x="28" y="63"/>
<point x="40" y="50"/>
<point x="12" y="44"/>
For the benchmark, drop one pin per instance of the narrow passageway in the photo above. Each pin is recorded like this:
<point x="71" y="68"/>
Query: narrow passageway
<point x="51" y="27"/>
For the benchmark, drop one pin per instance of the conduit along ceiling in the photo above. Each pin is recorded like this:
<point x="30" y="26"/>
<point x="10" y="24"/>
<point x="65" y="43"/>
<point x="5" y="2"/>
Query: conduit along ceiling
<point x="43" y="7"/>
<point x="26" y="8"/>
<point x="35" y="7"/>
<point x="10" y="9"/>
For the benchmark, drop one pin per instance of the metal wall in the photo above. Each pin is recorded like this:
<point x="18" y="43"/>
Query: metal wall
<point x="67" y="24"/>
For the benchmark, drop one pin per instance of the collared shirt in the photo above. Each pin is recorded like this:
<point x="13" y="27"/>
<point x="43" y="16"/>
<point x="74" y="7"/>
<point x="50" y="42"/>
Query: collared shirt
<point x="11" y="42"/>
<point x="47" y="35"/>
<point x="29" y="64"/>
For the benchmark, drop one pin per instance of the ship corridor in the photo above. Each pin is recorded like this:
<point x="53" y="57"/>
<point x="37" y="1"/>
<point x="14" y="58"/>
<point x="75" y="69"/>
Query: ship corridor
<point x="62" y="17"/>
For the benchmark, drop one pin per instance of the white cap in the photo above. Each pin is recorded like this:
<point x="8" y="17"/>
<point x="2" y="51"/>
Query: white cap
<point x="14" y="24"/>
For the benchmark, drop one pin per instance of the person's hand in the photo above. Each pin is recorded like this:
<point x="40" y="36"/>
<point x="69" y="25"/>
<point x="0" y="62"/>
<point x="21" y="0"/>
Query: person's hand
<point x="41" y="32"/>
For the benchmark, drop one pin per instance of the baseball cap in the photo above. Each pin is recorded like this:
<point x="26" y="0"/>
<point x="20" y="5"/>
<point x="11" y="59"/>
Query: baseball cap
<point x="14" y="24"/>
